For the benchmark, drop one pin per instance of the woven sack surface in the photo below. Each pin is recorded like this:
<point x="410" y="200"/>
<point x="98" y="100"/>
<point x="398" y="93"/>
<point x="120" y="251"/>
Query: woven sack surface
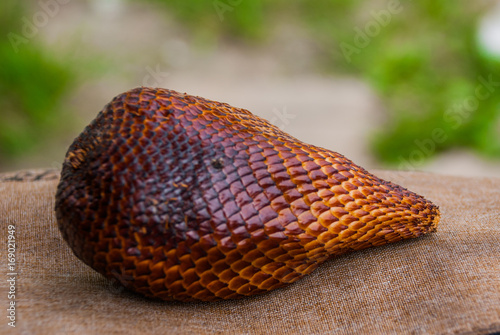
<point x="445" y="283"/>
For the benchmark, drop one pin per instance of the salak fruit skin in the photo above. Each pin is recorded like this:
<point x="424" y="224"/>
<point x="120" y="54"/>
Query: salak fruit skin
<point x="182" y="198"/>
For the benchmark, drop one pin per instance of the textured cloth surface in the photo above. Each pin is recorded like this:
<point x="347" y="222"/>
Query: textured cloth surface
<point x="445" y="283"/>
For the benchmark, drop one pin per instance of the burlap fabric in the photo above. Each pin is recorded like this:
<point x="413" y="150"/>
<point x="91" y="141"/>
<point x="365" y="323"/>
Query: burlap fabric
<point x="444" y="283"/>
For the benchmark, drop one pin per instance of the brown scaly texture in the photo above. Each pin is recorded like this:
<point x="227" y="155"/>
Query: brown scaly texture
<point x="183" y="198"/>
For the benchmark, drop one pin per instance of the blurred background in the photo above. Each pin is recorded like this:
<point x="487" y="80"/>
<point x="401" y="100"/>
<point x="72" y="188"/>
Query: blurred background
<point x="410" y="85"/>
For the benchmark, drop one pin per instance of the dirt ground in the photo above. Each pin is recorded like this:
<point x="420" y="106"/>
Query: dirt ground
<point x="277" y="81"/>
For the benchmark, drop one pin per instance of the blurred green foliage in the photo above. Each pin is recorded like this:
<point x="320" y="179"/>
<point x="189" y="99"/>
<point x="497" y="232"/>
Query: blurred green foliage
<point x="421" y="57"/>
<point x="216" y="18"/>
<point x="32" y="85"/>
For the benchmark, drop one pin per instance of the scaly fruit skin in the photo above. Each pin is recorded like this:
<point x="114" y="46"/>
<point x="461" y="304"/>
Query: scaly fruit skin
<point x="183" y="198"/>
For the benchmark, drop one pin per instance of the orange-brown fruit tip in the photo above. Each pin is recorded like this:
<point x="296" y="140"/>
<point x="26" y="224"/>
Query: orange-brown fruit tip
<point x="184" y="198"/>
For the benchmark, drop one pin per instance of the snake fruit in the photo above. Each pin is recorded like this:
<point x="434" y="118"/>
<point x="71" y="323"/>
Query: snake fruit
<point x="182" y="198"/>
